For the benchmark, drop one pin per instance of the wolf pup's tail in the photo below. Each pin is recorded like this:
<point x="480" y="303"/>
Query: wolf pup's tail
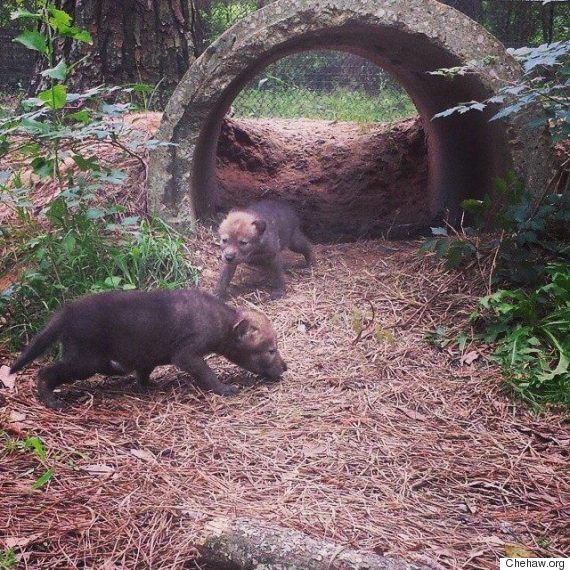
<point x="40" y="343"/>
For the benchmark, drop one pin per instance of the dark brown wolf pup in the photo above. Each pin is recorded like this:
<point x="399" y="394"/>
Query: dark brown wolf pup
<point x="256" y="236"/>
<point x="117" y="333"/>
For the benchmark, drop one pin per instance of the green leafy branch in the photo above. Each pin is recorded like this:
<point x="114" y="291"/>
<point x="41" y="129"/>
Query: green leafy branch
<point x="546" y="81"/>
<point x="531" y="331"/>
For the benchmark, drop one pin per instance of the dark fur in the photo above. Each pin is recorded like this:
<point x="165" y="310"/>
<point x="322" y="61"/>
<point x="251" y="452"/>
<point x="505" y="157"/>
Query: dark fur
<point x="120" y="332"/>
<point x="257" y="235"/>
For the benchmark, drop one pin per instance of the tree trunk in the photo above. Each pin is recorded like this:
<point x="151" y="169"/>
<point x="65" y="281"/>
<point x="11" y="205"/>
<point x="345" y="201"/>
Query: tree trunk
<point x="548" y="22"/>
<point x="134" y="41"/>
<point x="246" y="544"/>
<point x="202" y="10"/>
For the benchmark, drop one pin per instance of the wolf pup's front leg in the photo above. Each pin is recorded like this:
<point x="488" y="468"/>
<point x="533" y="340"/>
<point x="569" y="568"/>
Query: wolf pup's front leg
<point x="226" y="276"/>
<point x="203" y="374"/>
<point x="275" y="270"/>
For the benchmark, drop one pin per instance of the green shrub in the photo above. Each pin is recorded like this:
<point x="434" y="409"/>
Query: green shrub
<point x="80" y="245"/>
<point x="531" y="330"/>
<point x="528" y="317"/>
<point x="530" y="235"/>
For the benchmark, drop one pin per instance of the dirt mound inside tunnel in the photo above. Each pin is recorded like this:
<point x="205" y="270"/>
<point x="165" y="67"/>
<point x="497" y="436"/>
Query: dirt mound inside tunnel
<point x="348" y="180"/>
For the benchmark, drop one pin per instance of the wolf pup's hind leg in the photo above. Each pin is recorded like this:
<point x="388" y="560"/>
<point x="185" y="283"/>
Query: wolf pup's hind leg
<point x="63" y="372"/>
<point x="301" y="244"/>
<point x="143" y="378"/>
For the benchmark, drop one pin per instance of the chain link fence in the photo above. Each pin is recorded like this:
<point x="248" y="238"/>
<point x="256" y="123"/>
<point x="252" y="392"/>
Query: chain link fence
<point x="326" y="85"/>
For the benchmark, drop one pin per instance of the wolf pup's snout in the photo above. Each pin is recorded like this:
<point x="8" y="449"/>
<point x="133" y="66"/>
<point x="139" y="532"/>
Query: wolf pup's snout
<point x="275" y="368"/>
<point x="280" y="369"/>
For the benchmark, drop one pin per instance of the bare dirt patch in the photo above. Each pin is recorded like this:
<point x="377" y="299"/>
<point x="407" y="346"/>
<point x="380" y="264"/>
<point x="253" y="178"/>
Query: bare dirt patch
<point x="348" y="180"/>
<point x="374" y="439"/>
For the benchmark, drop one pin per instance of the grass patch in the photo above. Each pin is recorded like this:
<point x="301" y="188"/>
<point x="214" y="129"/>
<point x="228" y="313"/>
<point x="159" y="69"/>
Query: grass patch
<point x="8" y="559"/>
<point x="338" y="105"/>
<point x="83" y="251"/>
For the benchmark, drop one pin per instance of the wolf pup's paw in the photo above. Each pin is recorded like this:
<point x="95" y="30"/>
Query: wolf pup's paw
<point x="52" y="401"/>
<point x="221" y="294"/>
<point x="227" y="390"/>
<point x="143" y="387"/>
<point x="47" y="396"/>
<point x="276" y="294"/>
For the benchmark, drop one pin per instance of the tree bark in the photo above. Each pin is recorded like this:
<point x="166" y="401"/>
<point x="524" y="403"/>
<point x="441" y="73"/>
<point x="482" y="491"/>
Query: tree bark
<point x="548" y="22"/>
<point x="134" y="41"/>
<point x="202" y="10"/>
<point x="246" y="544"/>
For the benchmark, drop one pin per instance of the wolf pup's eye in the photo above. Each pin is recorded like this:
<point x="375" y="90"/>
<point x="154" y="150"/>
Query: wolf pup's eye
<point x="242" y="242"/>
<point x="272" y="351"/>
<point x="224" y="240"/>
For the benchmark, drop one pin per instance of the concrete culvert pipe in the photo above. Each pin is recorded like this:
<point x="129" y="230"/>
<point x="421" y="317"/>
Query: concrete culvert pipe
<point x="407" y="39"/>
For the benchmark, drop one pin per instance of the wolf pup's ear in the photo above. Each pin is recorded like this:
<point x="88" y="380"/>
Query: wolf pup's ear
<point x="243" y="328"/>
<point x="260" y="226"/>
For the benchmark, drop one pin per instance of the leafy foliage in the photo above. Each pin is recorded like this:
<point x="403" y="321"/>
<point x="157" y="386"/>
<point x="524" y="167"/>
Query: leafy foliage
<point x="532" y="235"/>
<point x="31" y="444"/>
<point x="528" y="318"/>
<point x="532" y="331"/>
<point x="36" y="445"/>
<point x="142" y="95"/>
<point x="529" y="324"/>
<point x="80" y="244"/>
<point x="546" y="82"/>
<point x="9" y="7"/>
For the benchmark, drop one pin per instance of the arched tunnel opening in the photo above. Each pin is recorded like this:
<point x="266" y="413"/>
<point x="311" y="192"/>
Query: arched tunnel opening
<point x="395" y="181"/>
<point x="349" y="170"/>
<point x="436" y="163"/>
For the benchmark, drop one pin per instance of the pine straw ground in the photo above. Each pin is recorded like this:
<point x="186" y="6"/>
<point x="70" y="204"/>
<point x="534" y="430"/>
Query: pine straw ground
<point x="374" y="439"/>
<point x="377" y="440"/>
